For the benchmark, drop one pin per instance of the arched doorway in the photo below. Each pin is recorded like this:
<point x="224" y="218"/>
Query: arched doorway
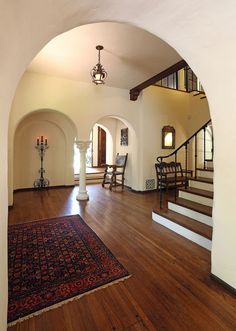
<point x="188" y="41"/>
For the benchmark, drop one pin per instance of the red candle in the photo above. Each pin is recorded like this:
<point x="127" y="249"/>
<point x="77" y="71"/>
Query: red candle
<point x="46" y="141"/>
<point x="41" y="139"/>
<point x="37" y="141"/>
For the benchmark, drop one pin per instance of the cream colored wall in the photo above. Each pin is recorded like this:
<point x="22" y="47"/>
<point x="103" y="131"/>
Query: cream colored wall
<point x="207" y="57"/>
<point x="198" y="114"/>
<point x="126" y="149"/>
<point x="82" y="102"/>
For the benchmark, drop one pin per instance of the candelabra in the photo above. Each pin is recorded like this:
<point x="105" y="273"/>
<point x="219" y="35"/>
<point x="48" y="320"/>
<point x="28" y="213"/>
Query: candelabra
<point x="41" y="146"/>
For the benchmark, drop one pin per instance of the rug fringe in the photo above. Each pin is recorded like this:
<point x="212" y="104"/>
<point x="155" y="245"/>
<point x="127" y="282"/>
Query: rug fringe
<point x="59" y="304"/>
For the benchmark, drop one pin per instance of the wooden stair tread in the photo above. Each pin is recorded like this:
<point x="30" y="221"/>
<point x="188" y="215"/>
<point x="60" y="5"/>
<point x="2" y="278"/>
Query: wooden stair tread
<point x="202" y="179"/>
<point x="206" y="210"/>
<point x="187" y="222"/>
<point x="197" y="191"/>
<point x="207" y="169"/>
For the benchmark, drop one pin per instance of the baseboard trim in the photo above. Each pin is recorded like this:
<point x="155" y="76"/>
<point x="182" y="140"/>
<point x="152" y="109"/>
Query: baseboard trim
<point x="223" y="283"/>
<point x="36" y="189"/>
<point x="142" y="192"/>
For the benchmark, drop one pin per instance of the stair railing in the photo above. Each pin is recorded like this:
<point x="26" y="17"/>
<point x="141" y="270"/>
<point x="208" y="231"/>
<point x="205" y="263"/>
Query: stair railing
<point x="175" y="154"/>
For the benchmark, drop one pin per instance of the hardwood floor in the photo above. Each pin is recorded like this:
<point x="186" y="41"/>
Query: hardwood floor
<point x="170" y="288"/>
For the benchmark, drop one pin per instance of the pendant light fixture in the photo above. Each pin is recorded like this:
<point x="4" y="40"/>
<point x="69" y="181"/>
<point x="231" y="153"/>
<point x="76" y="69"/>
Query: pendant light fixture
<point x="98" y="73"/>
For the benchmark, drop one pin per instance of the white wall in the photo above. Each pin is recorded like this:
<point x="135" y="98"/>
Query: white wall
<point x="130" y="149"/>
<point x="26" y="27"/>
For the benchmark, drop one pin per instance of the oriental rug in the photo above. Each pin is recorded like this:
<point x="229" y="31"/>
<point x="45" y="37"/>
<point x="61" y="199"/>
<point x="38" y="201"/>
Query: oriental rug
<point x="54" y="261"/>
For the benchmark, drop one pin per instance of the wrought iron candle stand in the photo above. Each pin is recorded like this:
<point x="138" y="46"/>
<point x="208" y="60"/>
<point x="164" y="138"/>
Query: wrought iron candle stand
<point x="41" y="147"/>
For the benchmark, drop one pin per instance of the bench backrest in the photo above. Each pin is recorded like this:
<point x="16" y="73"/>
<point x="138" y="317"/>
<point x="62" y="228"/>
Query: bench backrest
<point x="168" y="168"/>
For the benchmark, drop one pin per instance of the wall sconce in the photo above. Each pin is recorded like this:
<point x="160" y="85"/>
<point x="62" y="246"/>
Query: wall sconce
<point x="168" y="137"/>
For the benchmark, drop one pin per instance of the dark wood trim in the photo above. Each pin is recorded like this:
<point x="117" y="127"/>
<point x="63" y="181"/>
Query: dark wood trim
<point x="142" y="192"/>
<point x="135" y="91"/>
<point x="223" y="283"/>
<point x="46" y="188"/>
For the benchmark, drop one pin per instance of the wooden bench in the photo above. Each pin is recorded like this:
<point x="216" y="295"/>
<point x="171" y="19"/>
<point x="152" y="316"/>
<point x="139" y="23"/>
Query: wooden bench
<point x="171" y="175"/>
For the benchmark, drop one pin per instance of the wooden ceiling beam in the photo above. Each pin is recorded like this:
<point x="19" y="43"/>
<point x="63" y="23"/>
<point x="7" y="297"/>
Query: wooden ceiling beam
<point x="134" y="92"/>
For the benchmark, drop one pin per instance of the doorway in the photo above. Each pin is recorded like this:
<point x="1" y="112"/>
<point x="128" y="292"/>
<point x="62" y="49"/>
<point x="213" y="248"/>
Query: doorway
<point x="101" y="146"/>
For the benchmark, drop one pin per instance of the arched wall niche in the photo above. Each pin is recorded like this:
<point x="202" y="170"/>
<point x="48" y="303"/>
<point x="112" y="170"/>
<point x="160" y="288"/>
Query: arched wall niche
<point x="24" y="159"/>
<point x="206" y="57"/>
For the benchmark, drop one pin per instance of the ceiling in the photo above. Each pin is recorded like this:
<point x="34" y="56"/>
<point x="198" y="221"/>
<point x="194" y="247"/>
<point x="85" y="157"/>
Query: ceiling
<point x="130" y="56"/>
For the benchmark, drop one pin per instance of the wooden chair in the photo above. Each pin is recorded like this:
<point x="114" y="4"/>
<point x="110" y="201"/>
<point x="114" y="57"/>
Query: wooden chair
<point x="114" y="173"/>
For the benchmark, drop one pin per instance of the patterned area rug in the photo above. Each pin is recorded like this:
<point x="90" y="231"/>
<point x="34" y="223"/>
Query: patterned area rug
<point x="55" y="261"/>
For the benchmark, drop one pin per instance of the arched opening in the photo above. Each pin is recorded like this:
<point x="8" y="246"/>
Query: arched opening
<point x="114" y="126"/>
<point x="60" y="133"/>
<point x="205" y="68"/>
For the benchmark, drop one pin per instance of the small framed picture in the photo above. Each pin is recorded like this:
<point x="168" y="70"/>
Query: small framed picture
<point x="124" y="137"/>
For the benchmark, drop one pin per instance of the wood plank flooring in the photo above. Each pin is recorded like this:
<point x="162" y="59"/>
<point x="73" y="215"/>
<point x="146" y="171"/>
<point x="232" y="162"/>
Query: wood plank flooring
<point x="170" y="288"/>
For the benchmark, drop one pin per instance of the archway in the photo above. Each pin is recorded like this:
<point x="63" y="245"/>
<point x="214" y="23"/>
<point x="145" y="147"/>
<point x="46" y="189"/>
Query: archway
<point x="203" y="54"/>
<point x="113" y="126"/>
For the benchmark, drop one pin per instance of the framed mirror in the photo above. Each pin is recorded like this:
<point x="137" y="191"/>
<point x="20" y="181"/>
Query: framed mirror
<point x="168" y="137"/>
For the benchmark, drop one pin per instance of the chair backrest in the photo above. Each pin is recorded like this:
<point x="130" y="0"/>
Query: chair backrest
<point x="121" y="160"/>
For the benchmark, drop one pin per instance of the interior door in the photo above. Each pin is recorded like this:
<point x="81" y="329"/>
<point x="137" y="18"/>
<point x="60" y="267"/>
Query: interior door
<point x="101" y="146"/>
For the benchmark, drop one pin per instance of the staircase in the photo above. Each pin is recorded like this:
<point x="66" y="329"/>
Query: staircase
<point x="188" y="212"/>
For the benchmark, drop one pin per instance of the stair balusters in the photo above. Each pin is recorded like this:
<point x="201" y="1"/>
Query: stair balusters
<point x="184" y="145"/>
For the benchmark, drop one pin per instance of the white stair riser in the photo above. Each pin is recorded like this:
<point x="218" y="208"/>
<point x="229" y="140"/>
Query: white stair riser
<point x="190" y="213"/>
<point x="206" y="174"/>
<point x="201" y="185"/>
<point x="196" y="198"/>
<point x="195" y="237"/>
